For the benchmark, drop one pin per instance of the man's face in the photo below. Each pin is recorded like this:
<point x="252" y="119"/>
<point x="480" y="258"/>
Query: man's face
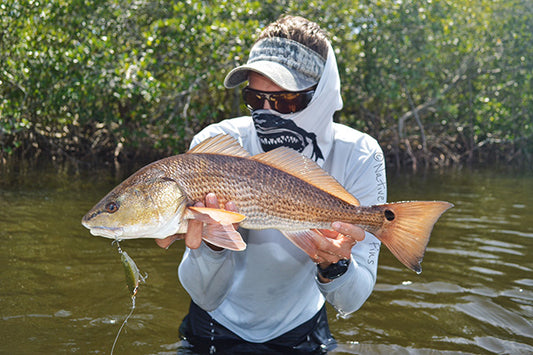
<point x="260" y="83"/>
<point x="275" y="131"/>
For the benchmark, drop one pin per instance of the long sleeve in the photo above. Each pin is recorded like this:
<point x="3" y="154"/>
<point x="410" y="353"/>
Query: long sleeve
<point x="206" y="275"/>
<point x="361" y="169"/>
<point x="350" y="291"/>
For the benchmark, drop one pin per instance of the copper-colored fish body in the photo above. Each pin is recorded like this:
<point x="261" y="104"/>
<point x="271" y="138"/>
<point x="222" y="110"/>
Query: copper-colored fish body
<point x="279" y="189"/>
<point x="269" y="198"/>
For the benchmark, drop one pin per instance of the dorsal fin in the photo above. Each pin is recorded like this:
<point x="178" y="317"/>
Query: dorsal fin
<point x="220" y="144"/>
<point x="294" y="163"/>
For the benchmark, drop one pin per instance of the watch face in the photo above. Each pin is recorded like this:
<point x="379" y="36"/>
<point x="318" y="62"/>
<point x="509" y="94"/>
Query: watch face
<point x="334" y="270"/>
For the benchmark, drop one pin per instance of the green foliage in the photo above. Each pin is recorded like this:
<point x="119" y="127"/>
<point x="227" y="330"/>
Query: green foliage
<point x="433" y="79"/>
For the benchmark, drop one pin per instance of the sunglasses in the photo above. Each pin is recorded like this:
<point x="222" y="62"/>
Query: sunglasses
<point x="281" y="101"/>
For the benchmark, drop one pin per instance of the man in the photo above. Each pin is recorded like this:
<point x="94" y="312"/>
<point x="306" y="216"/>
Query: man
<point x="271" y="296"/>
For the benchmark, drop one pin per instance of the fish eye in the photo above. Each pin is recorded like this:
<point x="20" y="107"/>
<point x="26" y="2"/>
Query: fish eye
<point x="111" y="207"/>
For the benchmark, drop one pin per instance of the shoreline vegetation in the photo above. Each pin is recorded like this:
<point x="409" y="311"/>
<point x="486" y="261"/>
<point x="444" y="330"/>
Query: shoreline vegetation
<point x="438" y="84"/>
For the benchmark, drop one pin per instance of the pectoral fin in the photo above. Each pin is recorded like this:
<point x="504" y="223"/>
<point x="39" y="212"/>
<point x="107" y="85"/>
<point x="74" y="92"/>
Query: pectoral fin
<point x="221" y="232"/>
<point x="224" y="236"/>
<point x="206" y="214"/>
<point x="304" y="240"/>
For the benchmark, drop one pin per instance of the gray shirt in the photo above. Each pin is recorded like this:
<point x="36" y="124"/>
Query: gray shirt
<point x="271" y="287"/>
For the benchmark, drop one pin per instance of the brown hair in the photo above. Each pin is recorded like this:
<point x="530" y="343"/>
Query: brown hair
<point x="300" y="30"/>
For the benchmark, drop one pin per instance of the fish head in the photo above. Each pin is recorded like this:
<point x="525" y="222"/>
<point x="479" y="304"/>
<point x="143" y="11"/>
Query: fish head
<point x="149" y="204"/>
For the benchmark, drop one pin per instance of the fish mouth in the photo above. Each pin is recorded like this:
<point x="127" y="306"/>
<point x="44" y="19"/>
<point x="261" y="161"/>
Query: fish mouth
<point x="106" y="232"/>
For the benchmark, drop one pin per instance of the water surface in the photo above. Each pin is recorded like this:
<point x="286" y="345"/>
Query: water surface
<point x="63" y="290"/>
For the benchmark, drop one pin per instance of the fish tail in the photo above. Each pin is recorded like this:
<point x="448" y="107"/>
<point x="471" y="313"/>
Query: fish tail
<point x="407" y="229"/>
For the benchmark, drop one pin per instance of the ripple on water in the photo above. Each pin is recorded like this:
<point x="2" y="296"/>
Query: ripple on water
<point x="436" y="287"/>
<point x="516" y="233"/>
<point x="491" y="314"/>
<point x="370" y="348"/>
<point x="471" y="254"/>
<point x="489" y="343"/>
<point x="503" y="346"/>
<point x="487" y="271"/>
<point x="525" y="282"/>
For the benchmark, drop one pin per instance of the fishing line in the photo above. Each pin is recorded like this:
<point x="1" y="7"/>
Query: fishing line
<point x="133" y="279"/>
<point x="123" y="324"/>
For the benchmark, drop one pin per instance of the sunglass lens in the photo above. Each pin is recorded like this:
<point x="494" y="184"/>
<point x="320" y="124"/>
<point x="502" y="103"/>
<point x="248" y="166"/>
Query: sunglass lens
<point x="288" y="102"/>
<point x="253" y="101"/>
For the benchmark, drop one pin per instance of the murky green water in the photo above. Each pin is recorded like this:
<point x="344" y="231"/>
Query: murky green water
<point x="63" y="290"/>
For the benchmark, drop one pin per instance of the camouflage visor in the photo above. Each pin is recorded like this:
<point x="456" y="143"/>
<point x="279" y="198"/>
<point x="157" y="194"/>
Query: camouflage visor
<point x="289" y="64"/>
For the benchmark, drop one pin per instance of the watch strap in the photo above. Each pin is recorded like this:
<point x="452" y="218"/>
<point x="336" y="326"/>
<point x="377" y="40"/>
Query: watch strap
<point x="334" y="270"/>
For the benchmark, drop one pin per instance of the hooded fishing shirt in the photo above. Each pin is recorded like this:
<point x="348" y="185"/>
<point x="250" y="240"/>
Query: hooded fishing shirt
<point x="271" y="287"/>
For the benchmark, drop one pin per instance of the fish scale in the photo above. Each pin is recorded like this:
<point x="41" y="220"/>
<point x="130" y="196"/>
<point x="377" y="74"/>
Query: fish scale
<point x="285" y="202"/>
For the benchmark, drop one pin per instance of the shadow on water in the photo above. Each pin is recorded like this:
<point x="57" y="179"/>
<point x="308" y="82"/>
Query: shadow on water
<point x="62" y="290"/>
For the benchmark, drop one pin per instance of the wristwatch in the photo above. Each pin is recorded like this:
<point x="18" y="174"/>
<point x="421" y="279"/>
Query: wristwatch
<point x="334" y="270"/>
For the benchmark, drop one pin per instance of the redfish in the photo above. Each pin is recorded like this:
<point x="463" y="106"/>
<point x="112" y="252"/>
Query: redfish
<point x="280" y="189"/>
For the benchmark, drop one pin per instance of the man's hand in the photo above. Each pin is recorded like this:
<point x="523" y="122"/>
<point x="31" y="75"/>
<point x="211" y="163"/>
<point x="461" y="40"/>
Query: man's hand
<point x="193" y="236"/>
<point x="338" y="243"/>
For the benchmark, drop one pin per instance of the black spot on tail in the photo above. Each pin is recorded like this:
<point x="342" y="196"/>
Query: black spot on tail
<point x="389" y="215"/>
